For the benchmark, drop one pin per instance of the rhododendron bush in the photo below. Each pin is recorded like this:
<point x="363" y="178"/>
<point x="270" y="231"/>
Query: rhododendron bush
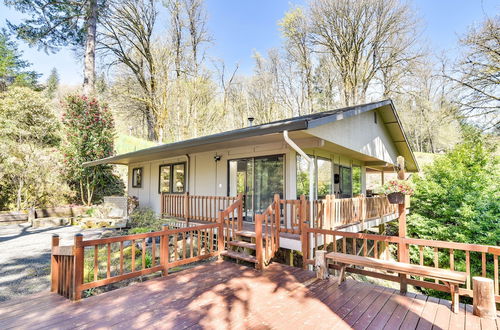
<point x="89" y="130"/>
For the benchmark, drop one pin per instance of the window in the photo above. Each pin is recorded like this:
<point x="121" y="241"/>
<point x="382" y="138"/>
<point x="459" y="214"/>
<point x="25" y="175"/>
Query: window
<point x="324" y="177"/>
<point x="137" y="177"/>
<point x="172" y="178"/>
<point x="302" y="176"/>
<point x="356" y="180"/>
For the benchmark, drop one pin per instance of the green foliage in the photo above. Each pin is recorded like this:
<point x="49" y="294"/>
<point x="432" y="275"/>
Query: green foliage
<point x="140" y="230"/>
<point x="30" y="165"/>
<point x="457" y="199"/>
<point x="145" y="218"/>
<point x="13" y="69"/>
<point x="89" y="129"/>
<point x="52" y="84"/>
<point x="51" y="24"/>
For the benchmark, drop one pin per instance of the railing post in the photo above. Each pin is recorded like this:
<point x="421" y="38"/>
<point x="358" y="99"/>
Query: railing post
<point x="186" y="207"/>
<point x="258" y="241"/>
<point x="277" y="217"/>
<point x="240" y="212"/>
<point x="164" y="253"/>
<point x="304" y="234"/>
<point x="78" y="266"/>
<point x="321" y="265"/>
<point x="54" y="265"/>
<point x="221" y="236"/>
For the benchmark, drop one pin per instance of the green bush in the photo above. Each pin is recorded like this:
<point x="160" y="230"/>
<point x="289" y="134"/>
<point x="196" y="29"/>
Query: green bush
<point x="145" y="218"/>
<point x="140" y="230"/>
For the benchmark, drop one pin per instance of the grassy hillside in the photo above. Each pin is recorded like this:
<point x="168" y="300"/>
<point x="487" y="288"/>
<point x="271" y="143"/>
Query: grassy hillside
<point x="125" y="143"/>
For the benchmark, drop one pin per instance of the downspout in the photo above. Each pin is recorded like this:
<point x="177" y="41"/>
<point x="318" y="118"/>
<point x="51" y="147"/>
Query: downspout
<point x="311" y="174"/>
<point x="188" y="173"/>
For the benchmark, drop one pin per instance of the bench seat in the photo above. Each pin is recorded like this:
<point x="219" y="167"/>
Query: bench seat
<point x="450" y="278"/>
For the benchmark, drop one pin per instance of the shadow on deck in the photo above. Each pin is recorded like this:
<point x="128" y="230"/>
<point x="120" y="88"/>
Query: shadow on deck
<point x="223" y="295"/>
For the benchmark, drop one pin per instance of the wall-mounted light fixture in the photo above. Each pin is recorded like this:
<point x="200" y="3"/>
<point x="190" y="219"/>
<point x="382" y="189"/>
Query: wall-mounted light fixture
<point x="217" y="158"/>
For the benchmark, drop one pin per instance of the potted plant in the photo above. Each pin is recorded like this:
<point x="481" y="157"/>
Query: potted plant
<point x="396" y="190"/>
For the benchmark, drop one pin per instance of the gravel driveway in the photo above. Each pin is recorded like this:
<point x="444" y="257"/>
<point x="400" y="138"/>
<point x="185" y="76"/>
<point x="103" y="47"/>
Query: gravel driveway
<point x="25" y="257"/>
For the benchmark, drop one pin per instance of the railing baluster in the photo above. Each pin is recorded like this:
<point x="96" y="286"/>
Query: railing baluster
<point x="183" y="245"/>
<point x="108" y="269"/>
<point x="495" y="279"/>
<point x="483" y="264"/>
<point x="467" y="267"/>
<point x="421" y="254"/>
<point x="96" y="261"/>
<point x="365" y="247"/>
<point x="436" y="261"/>
<point x="133" y="255"/>
<point x="144" y="253"/>
<point x="121" y="257"/>
<point x="153" y="251"/>
<point x="452" y="259"/>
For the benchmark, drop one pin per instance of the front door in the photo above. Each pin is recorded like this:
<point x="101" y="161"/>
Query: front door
<point x="258" y="179"/>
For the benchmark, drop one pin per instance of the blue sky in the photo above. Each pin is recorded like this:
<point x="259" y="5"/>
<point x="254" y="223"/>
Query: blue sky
<point x="241" y="26"/>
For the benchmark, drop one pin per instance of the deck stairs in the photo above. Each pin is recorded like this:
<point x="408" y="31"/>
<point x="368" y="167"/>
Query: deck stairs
<point x="242" y="248"/>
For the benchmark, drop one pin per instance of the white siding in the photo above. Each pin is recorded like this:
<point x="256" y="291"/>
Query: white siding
<point x="360" y="133"/>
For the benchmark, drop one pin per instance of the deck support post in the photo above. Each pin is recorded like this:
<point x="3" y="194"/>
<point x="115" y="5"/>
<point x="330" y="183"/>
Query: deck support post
<point x="54" y="265"/>
<point x="403" y="255"/>
<point x="484" y="297"/>
<point x="321" y="265"/>
<point x="77" y="267"/>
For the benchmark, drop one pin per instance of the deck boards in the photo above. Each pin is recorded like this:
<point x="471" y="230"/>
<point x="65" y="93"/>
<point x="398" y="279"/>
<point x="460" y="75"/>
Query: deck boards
<point x="223" y="295"/>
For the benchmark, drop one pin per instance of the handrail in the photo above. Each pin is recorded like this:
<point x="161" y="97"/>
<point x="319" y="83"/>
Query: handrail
<point x="459" y="256"/>
<point x="267" y="239"/>
<point x="92" y="263"/>
<point x="231" y="219"/>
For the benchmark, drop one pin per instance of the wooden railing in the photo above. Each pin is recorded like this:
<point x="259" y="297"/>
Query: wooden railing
<point x="267" y="238"/>
<point x="194" y="207"/>
<point x="331" y="212"/>
<point x="473" y="259"/>
<point x="232" y="220"/>
<point x="93" y="263"/>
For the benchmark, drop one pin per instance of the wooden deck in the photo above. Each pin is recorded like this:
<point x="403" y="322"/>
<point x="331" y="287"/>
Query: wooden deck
<point x="223" y="295"/>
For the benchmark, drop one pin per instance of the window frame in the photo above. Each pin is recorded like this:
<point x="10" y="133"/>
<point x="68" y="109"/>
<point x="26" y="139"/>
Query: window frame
<point x="171" y="184"/>
<point x="134" y="184"/>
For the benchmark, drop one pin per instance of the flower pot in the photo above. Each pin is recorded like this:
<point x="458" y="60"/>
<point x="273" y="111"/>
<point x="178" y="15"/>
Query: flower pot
<point x="396" y="198"/>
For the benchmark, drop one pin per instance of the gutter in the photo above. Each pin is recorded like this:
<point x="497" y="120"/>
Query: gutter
<point x="311" y="173"/>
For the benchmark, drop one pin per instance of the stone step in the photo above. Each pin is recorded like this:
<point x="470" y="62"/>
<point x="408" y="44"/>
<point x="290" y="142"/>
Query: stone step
<point x="242" y="244"/>
<point x="240" y="256"/>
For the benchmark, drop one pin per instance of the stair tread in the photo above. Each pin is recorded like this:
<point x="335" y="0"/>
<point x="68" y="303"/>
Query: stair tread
<point x="242" y="244"/>
<point x="238" y="255"/>
<point x="246" y="233"/>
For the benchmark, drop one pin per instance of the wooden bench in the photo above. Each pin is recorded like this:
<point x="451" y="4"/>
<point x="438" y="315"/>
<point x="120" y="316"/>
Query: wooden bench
<point x="450" y="278"/>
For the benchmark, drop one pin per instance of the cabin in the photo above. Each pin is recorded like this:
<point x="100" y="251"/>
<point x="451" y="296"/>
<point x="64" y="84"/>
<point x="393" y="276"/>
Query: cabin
<point x="249" y="195"/>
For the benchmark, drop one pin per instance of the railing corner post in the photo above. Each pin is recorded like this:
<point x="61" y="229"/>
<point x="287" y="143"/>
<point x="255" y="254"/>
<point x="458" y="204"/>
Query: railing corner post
<point x="54" y="265"/>
<point x="78" y="266"/>
<point x="221" y="236"/>
<point x="240" y="212"/>
<point x="186" y="207"/>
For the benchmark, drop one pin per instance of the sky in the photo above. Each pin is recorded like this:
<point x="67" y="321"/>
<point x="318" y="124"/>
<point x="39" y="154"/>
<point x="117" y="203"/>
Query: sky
<point x="240" y="27"/>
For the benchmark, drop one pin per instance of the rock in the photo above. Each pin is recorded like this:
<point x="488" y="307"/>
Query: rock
<point x="108" y="233"/>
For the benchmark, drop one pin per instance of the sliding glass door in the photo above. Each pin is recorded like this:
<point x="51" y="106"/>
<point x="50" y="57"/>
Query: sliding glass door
<point x="258" y="178"/>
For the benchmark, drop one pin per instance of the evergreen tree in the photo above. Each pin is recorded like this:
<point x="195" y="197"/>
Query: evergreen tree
<point x="52" y="83"/>
<point x="13" y="69"/>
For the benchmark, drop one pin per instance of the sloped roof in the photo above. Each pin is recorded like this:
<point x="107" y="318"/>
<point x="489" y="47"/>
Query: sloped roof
<point x="291" y="124"/>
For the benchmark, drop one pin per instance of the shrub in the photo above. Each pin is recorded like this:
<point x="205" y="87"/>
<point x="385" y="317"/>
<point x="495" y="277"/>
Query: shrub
<point x="145" y="218"/>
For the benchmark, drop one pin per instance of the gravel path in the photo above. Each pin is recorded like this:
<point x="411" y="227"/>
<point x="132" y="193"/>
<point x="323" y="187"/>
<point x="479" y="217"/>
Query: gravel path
<point x="25" y="257"/>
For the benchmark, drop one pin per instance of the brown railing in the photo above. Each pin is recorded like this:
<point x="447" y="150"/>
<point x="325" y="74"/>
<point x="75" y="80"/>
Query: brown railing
<point x="331" y="212"/>
<point x="93" y="263"/>
<point x="267" y="239"/>
<point x="193" y="207"/>
<point x="232" y="220"/>
<point x="473" y="259"/>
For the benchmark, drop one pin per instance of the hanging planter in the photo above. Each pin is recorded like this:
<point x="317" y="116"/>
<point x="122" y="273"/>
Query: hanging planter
<point x="396" y="198"/>
<point x="396" y="191"/>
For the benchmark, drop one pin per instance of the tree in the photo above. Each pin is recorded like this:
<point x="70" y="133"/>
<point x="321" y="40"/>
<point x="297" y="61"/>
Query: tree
<point x="478" y="74"/>
<point x="13" y="69"/>
<point x="89" y="130"/>
<point x="29" y="132"/>
<point x="53" y="24"/>
<point x="456" y="199"/>
<point x="52" y="83"/>
<point x="364" y="40"/>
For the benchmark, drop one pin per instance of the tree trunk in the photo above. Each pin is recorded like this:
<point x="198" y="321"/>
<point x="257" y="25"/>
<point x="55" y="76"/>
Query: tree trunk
<point x="89" y="58"/>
